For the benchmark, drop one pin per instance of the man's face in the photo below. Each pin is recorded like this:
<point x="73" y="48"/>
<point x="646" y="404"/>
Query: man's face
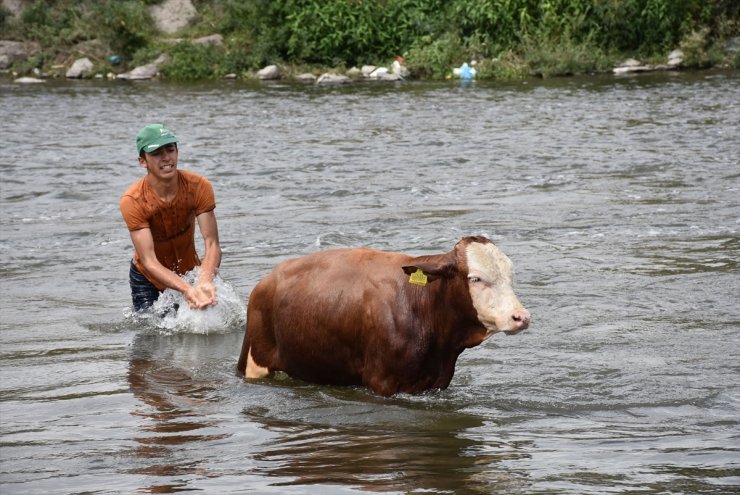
<point x="162" y="162"/>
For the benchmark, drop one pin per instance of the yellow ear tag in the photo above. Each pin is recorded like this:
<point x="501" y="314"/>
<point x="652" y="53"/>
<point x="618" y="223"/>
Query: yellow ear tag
<point x="418" y="278"/>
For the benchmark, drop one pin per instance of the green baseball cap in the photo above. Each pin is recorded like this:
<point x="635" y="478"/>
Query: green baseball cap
<point x="153" y="137"/>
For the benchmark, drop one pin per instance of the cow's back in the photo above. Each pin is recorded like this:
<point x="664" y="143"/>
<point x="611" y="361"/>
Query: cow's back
<point x="317" y="317"/>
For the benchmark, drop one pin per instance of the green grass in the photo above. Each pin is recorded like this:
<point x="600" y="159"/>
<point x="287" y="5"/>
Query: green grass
<point x="509" y="38"/>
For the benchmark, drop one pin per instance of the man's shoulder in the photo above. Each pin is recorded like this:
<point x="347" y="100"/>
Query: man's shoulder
<point x="193" y="179"/>
<point x="190" y="175"/>
<point x="198" y="190"/>
<point x="133" y="207"/>
<point x="135" y="190"/>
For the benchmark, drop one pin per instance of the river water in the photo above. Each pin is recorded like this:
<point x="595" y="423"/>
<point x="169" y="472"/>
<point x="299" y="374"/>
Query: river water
<point x="618" y="200"/>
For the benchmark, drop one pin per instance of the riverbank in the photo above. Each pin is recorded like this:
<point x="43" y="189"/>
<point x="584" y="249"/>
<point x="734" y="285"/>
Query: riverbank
<point x="339" y="42"/>
<point x="84" y="68"/>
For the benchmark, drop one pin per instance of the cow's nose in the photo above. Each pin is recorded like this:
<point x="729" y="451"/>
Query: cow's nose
<point x="521" y="319"/>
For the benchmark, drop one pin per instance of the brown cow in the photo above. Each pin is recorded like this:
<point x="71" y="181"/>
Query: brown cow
<point x="388" y="321"/>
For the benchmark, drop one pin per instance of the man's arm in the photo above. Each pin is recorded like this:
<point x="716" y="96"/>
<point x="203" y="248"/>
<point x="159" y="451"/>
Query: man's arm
<point x="144" y="245"/>
<point x="212" y="257"/>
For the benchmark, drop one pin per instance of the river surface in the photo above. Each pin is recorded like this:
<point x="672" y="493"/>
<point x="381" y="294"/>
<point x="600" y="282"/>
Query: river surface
<point x="617" y="199"/>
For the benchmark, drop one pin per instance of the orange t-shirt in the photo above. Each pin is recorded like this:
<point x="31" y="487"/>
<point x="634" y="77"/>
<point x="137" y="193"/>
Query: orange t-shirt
<point x="172" y="222"/>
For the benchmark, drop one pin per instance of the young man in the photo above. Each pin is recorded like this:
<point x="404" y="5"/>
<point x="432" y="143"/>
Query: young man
<point x="160" y="211"/>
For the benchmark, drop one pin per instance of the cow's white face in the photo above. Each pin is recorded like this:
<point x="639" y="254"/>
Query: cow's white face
<point x="490" y="280"/>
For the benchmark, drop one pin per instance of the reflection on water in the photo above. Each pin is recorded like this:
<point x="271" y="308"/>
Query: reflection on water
<point x="309" y="435"/>
<point x="379" y="445"/>
<point x="171" y="409"/>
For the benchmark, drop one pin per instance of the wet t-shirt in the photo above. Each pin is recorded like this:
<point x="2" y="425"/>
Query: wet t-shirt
<point x="172" y="222"/>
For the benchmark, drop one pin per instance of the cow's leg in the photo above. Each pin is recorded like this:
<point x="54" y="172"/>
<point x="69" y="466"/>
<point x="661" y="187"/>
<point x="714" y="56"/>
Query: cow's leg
<point x="258" y="341"/>
<point x="241" y="366"/>
<point x="254" y="370"/>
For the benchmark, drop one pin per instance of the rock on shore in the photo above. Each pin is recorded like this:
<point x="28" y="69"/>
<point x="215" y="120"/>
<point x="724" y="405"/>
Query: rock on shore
<point x="147" y="71"/>
<point x="16" y="51"/>
<point x="82" y="67"/>
<point x="675" y="59"/>
<point x="173" y="15"/>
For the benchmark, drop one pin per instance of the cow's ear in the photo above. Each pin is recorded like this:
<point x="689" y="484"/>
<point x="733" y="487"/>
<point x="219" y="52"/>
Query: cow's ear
<point x="433" y="267"/>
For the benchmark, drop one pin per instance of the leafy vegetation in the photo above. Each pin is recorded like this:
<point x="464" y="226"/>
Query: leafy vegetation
<point x="508" y="38"/>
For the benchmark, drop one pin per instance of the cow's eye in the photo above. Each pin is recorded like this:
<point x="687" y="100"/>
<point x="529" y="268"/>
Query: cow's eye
<point x="473" y="278"/>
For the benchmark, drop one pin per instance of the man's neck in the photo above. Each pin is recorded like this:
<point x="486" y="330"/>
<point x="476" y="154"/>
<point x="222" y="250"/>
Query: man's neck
<point x="166" y="189"/>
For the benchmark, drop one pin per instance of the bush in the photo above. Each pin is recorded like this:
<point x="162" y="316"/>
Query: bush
<point x="562" y="57"/>
<point x="337" y="32"/>
<point x="434" y="58"/>
<point x="46" y="25"/>
<point x="508" y="65"/>
<point x="194" y="62"/>
<point x="547" y="37"/>
<point x="562" y="42"/>
<point x="125" y="25"/>
<point x="258" y="29"/>
<point x="657" y="26"/>
<point x="498" y="22"/>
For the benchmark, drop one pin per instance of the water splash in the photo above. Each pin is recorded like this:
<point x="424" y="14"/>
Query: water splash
<point x="171" y="313"/>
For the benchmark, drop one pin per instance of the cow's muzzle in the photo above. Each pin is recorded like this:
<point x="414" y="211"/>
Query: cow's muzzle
<point x="519" y="321"/>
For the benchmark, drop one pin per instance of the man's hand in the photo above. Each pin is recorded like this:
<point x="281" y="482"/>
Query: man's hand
<point x="208" y="289"/>
<point x="201" y="296"/>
